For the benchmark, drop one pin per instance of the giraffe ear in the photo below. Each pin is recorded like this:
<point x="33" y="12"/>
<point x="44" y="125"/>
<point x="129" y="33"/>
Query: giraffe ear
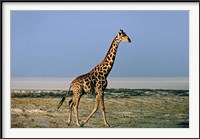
<point x="120" y="33"/>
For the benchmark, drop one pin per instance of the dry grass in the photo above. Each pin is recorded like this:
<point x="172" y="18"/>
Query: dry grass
<point x="132" y="112"/>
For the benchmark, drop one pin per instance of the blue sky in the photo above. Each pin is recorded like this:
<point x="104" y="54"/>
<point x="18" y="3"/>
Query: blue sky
<point x="71" y="43"/>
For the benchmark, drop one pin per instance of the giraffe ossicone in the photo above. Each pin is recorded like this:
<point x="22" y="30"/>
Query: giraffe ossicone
<point x="94" y="81"/>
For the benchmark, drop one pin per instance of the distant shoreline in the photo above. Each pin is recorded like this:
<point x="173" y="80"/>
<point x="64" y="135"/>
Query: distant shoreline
<point x="113" y="82"/>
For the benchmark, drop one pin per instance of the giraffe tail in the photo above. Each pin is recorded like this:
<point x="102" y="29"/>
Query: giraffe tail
<point x="61" y="102"/>
<point x="63" y="99"/>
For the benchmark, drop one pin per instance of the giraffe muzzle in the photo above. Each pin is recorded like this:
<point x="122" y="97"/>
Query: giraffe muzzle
<point x="129" y="40"/>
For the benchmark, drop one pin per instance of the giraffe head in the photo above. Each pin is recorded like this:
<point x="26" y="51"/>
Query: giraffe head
<point x="123" y="37"/>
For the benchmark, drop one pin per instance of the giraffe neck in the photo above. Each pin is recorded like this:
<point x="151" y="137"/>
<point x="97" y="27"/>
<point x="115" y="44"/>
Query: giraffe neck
<point x="107" y="63"/>
<point x="111" y="54"/>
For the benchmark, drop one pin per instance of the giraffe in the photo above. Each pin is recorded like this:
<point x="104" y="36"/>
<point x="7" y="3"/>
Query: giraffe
<point x="94" y="81"/>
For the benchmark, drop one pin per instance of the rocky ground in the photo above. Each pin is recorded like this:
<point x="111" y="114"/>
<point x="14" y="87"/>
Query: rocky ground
<point x="125" y="108"/>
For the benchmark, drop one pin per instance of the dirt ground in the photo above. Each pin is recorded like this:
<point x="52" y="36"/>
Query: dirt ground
<point x="131" y="112"/>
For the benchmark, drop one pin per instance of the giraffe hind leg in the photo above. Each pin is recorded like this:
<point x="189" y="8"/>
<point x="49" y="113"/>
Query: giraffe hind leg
<point x="76" y="100"/>
<point x="70" y="112"/>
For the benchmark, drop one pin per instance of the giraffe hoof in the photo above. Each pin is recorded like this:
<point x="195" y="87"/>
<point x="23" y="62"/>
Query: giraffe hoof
<point x="79" y="125"/>
<point x="82" y="125"/>
<point x="107" y="125"/>
<point x="83" y="122"/>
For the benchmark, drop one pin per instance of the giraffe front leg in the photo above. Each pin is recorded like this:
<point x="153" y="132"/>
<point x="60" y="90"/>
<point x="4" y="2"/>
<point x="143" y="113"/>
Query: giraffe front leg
<point x="101" y="97"/>
<point x="94" y="110"/>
